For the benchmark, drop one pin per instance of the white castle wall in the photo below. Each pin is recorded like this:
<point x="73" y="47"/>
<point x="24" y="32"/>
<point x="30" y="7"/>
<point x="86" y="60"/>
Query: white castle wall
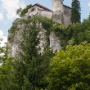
<point x="67" y="15"/>
<point x="60" y="13"/>
<point x="39" y="12"/>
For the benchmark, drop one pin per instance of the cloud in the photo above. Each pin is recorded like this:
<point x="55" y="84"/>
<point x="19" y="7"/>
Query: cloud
<point x="89" y="4"/>
<point x="2" y="43"/>
<point x="4" y="38"/>
<point x="11" y="6"/>
<point x="1" y="32"/>
<point x="1" y="16"/>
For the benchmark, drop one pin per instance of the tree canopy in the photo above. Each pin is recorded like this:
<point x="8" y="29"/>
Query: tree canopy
<point x="5" y="69"/>
<point x="70" y="69"/>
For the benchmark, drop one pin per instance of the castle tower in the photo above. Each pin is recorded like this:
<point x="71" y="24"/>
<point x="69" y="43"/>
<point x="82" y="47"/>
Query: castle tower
<point x="57" y="6"/>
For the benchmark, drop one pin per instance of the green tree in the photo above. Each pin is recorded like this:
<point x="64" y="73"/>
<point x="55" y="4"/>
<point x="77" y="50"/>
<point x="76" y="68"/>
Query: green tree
<point x="31" y="67"/>
<point x="25" y="65"/>
<point x="5" y="69"/>
<point x="21" y="12"/>
<point x="76" y="11"/>
<point x="70" y="69"/>
<point x="79" y="32"/>
<point x="18" y="12"/>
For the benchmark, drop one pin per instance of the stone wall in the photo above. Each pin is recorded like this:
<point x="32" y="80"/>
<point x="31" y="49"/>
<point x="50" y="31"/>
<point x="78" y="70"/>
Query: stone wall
<point x="57" y="5"/>
<point x="35" y="10"/>
<point x="32" y="11"/>
<point x="60" y="12"/>
<point x="46" y="14"/>
<point x="57" y="17"/>
<point x="57" y="10"/>
<point x="67" y="15"/>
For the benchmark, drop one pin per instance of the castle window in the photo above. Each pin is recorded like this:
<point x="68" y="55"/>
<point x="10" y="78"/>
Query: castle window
<point x="33" y="9"/>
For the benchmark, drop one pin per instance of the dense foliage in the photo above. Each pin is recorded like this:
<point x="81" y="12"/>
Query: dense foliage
<point x="76" y="11"/>
<point x="5" y="69"/>
<point x="31" y="67"/>
<point x="79" y="32"/>
<point x="70" y="69"/>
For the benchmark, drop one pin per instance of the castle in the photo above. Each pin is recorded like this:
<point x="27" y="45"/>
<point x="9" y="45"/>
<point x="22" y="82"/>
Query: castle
<point x="60" y="13"/>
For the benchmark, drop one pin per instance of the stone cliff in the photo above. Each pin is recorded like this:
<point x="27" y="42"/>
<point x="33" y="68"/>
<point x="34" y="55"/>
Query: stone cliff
<point x="48" y="34"/>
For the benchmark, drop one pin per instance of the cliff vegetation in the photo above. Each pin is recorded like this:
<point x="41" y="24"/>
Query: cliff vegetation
<point x="67" y="69"/>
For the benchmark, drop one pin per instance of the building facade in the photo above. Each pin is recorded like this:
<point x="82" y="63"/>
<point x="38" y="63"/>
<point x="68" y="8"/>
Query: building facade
<point x="60" y="13"/>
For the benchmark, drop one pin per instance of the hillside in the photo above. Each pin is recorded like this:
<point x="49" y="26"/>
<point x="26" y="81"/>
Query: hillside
<point x="36" y="65"/>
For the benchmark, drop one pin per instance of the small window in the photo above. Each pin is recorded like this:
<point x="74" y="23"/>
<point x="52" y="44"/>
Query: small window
<point x="32" y="9"/>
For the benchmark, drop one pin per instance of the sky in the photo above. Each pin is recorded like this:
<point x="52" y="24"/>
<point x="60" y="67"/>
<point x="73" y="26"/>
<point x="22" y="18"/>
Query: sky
<point x="8" y="11"/>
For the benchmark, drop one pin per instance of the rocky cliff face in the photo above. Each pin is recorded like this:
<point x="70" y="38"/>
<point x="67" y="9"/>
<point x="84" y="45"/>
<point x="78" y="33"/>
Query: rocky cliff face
<point x="15" y="37"/>
<point x="54" y="42"/>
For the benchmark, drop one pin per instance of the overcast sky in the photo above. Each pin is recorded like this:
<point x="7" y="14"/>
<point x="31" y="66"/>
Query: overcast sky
<point x="8" y="11"/>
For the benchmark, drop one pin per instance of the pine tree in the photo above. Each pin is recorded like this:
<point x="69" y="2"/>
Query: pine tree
<point x="75" y="12"/>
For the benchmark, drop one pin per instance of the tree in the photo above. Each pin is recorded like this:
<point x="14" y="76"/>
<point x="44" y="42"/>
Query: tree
<point x="31" y="66"/>
<point x="21" y="12"/>
<point x="5" y="69"/>
<point x="18" y="12"/>
<point x="75" y="12"/>
<point x="79" y="32"/>
<point x="26" y="60"/>
<point x="70" y="69"/>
